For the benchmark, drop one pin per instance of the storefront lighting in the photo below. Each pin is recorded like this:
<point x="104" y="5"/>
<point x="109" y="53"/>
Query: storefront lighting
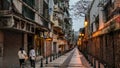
<point x="49" y="39"/>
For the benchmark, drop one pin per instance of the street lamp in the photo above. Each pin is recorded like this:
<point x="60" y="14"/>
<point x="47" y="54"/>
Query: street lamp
<point x="81" y="34"/>
<point x="85" y="23"/>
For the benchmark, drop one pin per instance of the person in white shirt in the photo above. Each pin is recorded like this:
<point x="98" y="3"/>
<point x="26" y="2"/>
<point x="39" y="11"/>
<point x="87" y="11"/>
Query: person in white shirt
<point x="21" y="54"/>
<point x="32" y="56"/>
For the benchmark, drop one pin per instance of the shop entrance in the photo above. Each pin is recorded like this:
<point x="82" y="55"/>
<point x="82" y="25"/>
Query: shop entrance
<point x="30" y="40"/>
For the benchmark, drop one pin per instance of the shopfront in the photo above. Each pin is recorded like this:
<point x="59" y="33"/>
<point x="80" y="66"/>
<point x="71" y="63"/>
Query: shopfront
<point x="12" y="42"/>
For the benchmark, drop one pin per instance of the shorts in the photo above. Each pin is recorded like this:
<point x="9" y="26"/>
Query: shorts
<point x="21" y="61"/>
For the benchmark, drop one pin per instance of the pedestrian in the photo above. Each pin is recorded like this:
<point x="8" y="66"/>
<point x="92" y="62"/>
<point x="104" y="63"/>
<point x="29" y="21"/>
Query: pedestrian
<point x="32" y="57"/>
<point x="22" y="56"/>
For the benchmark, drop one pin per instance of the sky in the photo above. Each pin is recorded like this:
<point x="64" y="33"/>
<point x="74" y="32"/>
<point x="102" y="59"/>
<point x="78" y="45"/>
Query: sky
<point x="77" y="23"/>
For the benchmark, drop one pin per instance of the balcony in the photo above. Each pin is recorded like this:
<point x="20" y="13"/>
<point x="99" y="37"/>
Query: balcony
<point x="111" y="11"/>
<point x="57" y="25"/>
<point x="67" y="17"/>
<point x="57" y="9"/>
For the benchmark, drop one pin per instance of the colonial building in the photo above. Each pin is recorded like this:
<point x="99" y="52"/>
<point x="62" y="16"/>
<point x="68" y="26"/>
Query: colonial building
<point x="61" y="26"/>
<point x="103" y="36"/>
<point x="23" y="23"/>
<point x="42" y="24"/>
<point x="56" y="17"/>
<point x="67" y="26"/>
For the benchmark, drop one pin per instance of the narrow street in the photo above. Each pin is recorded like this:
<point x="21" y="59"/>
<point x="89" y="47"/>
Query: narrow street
<point x="59" y="33"/>
<point x="72" y="59"/>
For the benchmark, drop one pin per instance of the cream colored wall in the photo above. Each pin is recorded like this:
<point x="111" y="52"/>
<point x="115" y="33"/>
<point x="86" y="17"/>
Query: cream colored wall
<point x="18" y="5"/>
<point x="101" y="18"/>
<point x="38" y="19"/>
<point x="94" y="12"/>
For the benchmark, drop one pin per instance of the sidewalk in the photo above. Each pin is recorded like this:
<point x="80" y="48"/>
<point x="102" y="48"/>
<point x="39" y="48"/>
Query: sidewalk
<point x="54" y="64"/>
<point x="78" y="61"/>
<point x="72" y="59"/>
<point x="58" y="62"/>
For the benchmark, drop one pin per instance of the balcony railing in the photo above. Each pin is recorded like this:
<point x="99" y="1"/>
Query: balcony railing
<point x="57" y="25"/>
<point x="31" y="3"/>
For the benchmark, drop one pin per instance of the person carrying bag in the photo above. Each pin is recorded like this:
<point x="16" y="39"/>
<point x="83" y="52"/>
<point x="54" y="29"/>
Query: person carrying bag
<point x="22" y="56"/>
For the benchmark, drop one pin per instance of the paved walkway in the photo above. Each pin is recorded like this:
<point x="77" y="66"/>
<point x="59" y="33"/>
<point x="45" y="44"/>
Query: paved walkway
<point x="78" y="61"/>
<point x="72" y="59"/>
<point x="58" y="62"/>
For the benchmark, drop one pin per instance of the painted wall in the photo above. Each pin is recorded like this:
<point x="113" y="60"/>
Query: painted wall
<point x="94" y="13"/>
<point x="18" y="5"/>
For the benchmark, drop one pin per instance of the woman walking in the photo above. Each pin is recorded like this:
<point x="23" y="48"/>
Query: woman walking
<point x="22" y="55"/>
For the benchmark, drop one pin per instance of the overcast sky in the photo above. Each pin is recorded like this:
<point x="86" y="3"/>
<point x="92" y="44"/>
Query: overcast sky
<point x="77" y="23"/>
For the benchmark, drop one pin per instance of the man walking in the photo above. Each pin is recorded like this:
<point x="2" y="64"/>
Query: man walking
<point x="32" y="57"/>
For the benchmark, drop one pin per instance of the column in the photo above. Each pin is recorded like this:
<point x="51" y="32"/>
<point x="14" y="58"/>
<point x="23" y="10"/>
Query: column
<point x="25" y="42"/>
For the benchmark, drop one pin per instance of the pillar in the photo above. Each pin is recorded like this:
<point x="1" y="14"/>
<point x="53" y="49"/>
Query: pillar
<point x="25" y="42"/>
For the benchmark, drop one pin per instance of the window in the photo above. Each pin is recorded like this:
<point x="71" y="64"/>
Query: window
<point x="97" y="22"/>
<point x="105" y="12"/>
<point x="31" y="3"/>
<point x="28" y="12"/>
<point x="4" y="4"/>
<point x="91" y="27"/>
<point x="55" y="1"/>
<point x="45" y="10"/>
